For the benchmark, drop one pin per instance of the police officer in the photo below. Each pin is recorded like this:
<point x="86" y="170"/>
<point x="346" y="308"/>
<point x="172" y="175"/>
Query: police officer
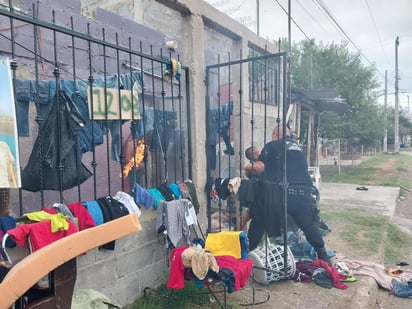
<point x="299" y="189"/>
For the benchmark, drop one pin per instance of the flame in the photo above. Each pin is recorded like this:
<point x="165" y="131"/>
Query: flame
<point x="136" y="160"/>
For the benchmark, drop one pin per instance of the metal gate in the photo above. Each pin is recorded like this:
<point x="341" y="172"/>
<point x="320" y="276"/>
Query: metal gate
<point x="244" y="101"/>
<point x="97" y="111"/>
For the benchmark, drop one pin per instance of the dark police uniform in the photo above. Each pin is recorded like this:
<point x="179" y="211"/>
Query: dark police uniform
<point x="299" y="198"/>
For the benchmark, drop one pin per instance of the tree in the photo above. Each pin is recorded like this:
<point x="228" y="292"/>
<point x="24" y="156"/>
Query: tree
<point x="405" y="125"/>
<point x="333" y="66"/>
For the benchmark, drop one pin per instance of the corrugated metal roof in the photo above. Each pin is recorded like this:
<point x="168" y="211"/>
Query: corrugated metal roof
<point x="321" y="100"/>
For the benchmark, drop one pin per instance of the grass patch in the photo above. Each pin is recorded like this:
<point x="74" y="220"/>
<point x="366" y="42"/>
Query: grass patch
<point x="368" y="234"/>
<point x="188" y="298"/>
<point x="397" y="241"/>
<point x="378" y="171"/>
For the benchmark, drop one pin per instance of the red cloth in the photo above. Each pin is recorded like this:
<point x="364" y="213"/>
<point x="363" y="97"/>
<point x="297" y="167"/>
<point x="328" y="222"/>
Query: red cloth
<point x="332" y="272"/>
<point x="82" y="214"/>
<point x="40" y="234"/>
<point x="241" y="268"/>
<point x="177" y="269"/>
<point x="51" y="211"/>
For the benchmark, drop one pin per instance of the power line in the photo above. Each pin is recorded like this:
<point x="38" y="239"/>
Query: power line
<point x="284" y="10"/>
<point x="377" y="31"/>
<point x="307" y="12"/>
<point x="330" y="15"/>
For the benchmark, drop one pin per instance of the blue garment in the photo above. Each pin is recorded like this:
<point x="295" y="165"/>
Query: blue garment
<point x="95" y="211"/>
<point x="165" y="122"/>
<point x="211" y="139"/>
<point x="26" y="91"/>
<point x="400" y="289"/>
<point x="244" y="245"/>
<point x="157" y="196"/>
<point x="8" y="223"/>
<point x="91" y="135"/>
<point x="175" y="189"/>
<point x="223" y="117"/>
<point x="142" y="196"/>
<point x="43" y="91"/>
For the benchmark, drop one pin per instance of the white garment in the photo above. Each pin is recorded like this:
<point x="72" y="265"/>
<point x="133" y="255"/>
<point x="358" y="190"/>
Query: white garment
<point x="190" y="213"/>
<point x="128" y="201"/>
<point x="234" y="185"/>
<point x="7" y="170"/>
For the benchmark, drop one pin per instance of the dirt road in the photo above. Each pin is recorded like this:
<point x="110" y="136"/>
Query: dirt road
<point x="364" y="293"/>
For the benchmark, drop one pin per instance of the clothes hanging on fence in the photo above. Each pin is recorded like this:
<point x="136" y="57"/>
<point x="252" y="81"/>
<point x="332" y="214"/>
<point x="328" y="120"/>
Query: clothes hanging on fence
<point x="142" y="196"/>
<point x="40" y="234"/>
<point x="128" y="201"/>
<point x="95" y="211"/>
<point x="223" y="116"/>
<point x="53" y="148"/>
<point x="111" y="209"/>
<point x="171" y="217"/>
<point x="192" y="193"/>
<point x="211" y="138"/>
<point x="42" y="92"/>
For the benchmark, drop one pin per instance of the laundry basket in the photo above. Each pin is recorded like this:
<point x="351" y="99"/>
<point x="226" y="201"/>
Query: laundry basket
<point x="268" y="263"/>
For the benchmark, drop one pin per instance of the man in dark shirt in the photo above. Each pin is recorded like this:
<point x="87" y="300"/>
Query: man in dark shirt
<point x="299" y="185"/>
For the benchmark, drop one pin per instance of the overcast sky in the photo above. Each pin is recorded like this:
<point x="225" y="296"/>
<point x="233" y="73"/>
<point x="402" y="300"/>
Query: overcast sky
<point x="371" y="25"/>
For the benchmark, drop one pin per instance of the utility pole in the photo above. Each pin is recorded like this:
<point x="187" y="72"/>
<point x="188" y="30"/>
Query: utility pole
<point x="257" y="17"/>
<point x="385" y="138"/>
<point x="396" y="127"/>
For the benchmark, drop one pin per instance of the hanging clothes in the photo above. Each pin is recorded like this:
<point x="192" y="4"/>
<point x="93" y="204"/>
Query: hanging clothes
<point x="42" y="171"/>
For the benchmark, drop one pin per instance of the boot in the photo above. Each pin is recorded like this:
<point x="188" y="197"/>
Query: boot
<point x="323" y="255"/>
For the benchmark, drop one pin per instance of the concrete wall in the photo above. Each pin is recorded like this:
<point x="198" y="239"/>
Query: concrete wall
<point x="202" y="33"/>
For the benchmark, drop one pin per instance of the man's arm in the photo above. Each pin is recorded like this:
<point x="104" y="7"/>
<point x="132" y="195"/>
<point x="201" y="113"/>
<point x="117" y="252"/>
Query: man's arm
<point x="244" y="220"/>
<point x="253" y="169"/>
